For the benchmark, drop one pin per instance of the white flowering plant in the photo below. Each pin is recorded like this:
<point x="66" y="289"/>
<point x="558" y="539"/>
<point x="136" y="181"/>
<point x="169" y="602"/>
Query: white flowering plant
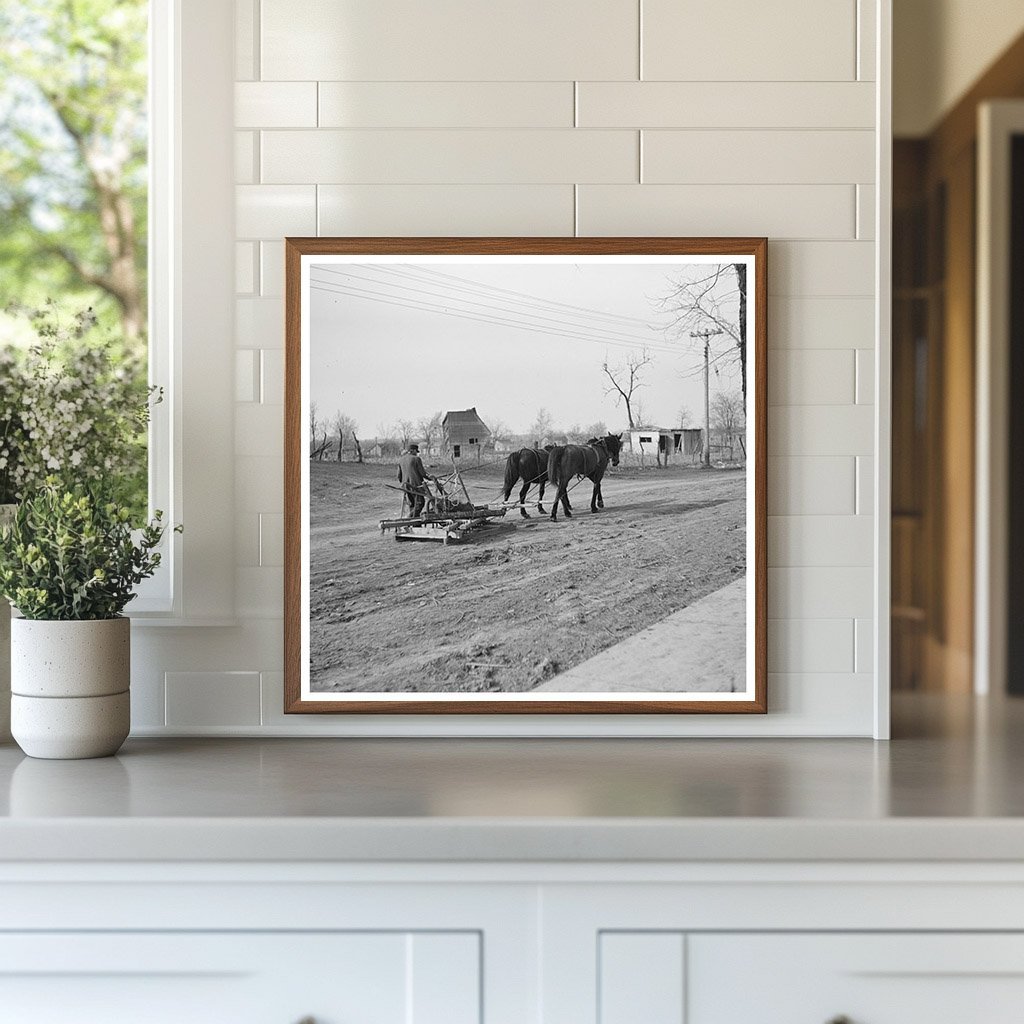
<point x="70" y="554"/>
<point x="73" y="407"/>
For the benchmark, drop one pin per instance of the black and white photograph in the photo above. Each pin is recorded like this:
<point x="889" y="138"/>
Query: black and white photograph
<point x="528" y="477"/>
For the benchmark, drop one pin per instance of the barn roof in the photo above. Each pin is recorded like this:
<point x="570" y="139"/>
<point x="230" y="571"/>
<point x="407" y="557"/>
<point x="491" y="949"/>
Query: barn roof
<point x="463" y="418"/>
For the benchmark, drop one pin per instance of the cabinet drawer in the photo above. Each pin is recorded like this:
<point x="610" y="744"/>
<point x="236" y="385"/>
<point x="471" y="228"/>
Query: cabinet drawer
<point x="866" y="978"/>
<point x="242" y="978"/>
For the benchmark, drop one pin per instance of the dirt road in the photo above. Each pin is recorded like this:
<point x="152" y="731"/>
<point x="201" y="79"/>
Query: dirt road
<point x="524" y="599"/>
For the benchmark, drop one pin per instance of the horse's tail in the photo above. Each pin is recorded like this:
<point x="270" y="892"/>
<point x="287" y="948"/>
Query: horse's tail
<point x="555" y="465"/>
<point x="511" y="472"/>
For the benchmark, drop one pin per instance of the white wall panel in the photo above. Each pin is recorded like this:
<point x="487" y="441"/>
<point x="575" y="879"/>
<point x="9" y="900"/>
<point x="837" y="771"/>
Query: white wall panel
<point x="247" y="539"/>
<point x="811" y="645"/>
<point x="258" y="483"/>
<point x="275" y="104"/>
<point x="811" y="486"/>
<point x="773" y="211"/>
<point x="819" y="540"/>
<point x="865" y="485"/>
<point x="245" y="158"/>
<point x="831" y="703"/>
<point x="259" y="323"/>
<point x="821" y="430"/>
<point x="811" y="377"/>
<point x="446" y="209"/>
<point x="822" y="268"/>
<point x="259" y="429"/>
<point x="263" y="211"/>
<point x="260" y="591"/>
<point x="809" y="322"/>
<point x="272" y="376"/>
<point x="245" y="268"/>
<point x="474" y="157"/>
<point x="271" y="539"/>
<point x="246" y="45"/>
<point x="757" y="157"/>
<point x="271" y="267"/>
<point x="865" y="376"/>
<point x="867" y="26"/>
<point x="864" y="645"/>
<point x="827" y="592"/>
<point x="212" y="698"/>
<point x="247" y="361"/>
<point x="449" y="40"/>
<point x="726" y="105"/>
<point x="866" y="211"/>
<point x="735" y="40"/>
<point x="446" y="105"/>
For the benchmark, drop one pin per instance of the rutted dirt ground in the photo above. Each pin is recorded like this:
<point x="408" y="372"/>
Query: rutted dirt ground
<point x="523" y="599"/>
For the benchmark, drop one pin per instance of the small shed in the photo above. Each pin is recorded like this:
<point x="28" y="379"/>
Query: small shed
<point x="465" y="434"/>
<point x="663" y="442"/>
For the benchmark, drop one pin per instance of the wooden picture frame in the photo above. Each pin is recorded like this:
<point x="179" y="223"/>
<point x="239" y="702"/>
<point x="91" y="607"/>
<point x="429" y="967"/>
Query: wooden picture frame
<point x="380" y="308"/>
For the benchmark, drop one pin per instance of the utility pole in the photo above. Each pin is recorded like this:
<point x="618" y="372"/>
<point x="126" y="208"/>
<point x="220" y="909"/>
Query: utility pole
<point x="706" y="336"/>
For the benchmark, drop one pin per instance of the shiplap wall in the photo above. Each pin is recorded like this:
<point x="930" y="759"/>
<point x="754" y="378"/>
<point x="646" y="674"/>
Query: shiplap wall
<point x="561" y="117"/>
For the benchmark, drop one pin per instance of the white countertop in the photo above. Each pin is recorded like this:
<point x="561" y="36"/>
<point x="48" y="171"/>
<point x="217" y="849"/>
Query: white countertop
<point x="949" y="787"/>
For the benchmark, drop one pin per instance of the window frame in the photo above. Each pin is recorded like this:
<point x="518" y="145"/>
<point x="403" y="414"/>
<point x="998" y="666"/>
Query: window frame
<point x="191" y="320"/>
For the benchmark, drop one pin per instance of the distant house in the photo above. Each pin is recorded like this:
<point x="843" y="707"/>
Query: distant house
<point x="464" y="434"/>
<point x="662" y="442"/>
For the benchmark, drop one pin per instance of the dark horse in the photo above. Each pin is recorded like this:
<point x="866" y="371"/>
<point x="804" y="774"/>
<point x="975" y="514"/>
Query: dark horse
<point x="531" y="466"/>
<point x="589" y="460"/>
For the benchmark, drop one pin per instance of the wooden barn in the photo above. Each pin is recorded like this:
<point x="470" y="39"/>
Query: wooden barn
<point x="662" y="442"/>
<point x="465" y="434"/>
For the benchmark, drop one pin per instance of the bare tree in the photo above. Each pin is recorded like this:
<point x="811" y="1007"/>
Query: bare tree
<point x="319" y="439"/>
<point x="344" y="426"/>
<point x="640" y="412"/>
<point x="500" y="431"/>
<point x="543" y="426"/>
<point x="684" y="416"/>
<point x="710" y="300"/>
<point x="406" y="431"/>
<point x="429" y="428"/>
<point x="388" y="439"/>
<point x="626" y="382"/>
<point x="727" y="414"/>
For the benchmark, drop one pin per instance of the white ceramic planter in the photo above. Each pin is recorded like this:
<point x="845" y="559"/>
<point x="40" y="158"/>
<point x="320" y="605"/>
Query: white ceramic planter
<point x="6" y="515"/>
<point x="69" y="683"/>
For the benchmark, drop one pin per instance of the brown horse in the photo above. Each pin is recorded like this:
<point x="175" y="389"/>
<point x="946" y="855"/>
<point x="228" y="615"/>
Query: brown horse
<point x="531" y="466"/>
<point x="589" y="460"/>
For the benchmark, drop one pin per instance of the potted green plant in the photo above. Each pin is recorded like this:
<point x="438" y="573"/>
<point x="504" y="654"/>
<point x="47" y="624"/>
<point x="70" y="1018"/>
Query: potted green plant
<point x="69" y="563"/>
<point x="73" y="402"/>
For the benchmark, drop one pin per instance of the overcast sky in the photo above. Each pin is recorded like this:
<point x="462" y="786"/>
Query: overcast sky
<point x="404" y="340"/>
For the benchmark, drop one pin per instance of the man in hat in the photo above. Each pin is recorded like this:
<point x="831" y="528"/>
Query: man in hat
<point x="411" y="475"/>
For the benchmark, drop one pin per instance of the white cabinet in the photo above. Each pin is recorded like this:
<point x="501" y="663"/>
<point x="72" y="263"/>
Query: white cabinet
<point x="241" y="978"/>
<point x="511" y="943"/>
<point x="672" y="978"/>
<point x="868" y="979"/>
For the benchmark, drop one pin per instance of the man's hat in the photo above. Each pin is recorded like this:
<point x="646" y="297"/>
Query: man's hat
<point x="414" y="447"/>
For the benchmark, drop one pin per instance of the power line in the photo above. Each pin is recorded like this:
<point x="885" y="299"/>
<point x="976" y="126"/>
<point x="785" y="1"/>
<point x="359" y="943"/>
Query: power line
<point x="468" y="285"/>
<point x="422" y="306"/>
<point x="513" y="310"/>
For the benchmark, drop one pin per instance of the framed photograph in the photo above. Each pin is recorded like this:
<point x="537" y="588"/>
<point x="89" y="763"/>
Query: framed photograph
<point x="525" y="475"/>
